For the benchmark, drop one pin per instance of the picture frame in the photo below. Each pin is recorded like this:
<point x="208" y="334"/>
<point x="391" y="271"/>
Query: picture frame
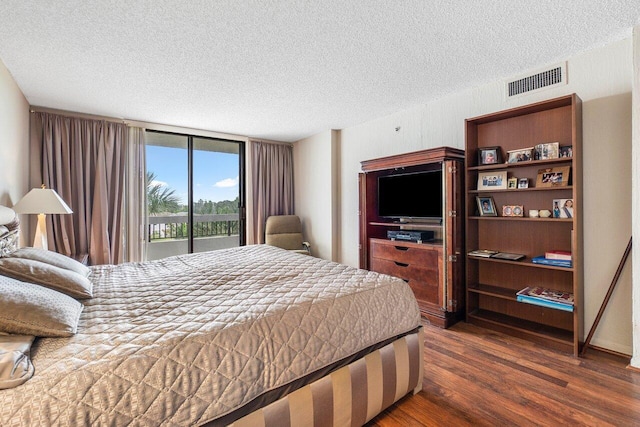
<point x="563" y="208"/>
<point x="512" y="183"/>
<point x="554" y="177"/>
<point x="521" y="155"/>
<point x="523" y="182"/>
<point x="566" y="151"/>
<point x="550" y="150"/>
<point x="513" y="210"/>
<point x="486" y="206"/>
<point x="493" y="180"/>
<point x="489" y="155"/>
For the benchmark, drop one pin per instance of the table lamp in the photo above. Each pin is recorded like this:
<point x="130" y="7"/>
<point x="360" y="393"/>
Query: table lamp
<point x="42" y="201"/>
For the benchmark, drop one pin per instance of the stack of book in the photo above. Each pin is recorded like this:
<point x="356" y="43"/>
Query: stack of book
<point x="555" y="258"/>
<point x="546" y="298"/>
<point x="482" y="253"/>
<point x="487" y="253"/>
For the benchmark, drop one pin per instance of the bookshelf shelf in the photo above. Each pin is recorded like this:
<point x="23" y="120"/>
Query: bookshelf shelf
<point x="521" y="218"/>
<point x="540" y="163"/>
<point x="522" y="263"/>
<point x="492" y="284"/>
<point x="550" y="336"/>
<point x="522" y="190"/>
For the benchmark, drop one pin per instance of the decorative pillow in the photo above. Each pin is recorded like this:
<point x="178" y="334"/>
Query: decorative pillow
<point x="52" y="258"/>
<point x="65" y="281"/>
<point x="9" y="242"/>
<point x="15" y="362"/>
<point x="30" y="309"/>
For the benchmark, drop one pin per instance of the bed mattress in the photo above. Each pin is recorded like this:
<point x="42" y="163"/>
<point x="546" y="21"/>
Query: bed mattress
<point x="188" y="339"/>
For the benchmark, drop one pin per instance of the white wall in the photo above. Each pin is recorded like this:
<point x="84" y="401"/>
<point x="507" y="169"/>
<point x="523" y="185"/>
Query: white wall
<point x="14" y="145"/>
<point x="602" y="79"/>
<point x="635" y="361"/>
<point x="316" y="191"/>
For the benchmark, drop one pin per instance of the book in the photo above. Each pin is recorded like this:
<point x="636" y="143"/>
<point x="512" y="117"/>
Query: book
<point x="552" y="295"/>
<point x="508" y="256"/>
<point x="553" y="262"/>
<point x="482" y="253"/>
<point x="560" y="255"/>
<point x="544" y="303"/>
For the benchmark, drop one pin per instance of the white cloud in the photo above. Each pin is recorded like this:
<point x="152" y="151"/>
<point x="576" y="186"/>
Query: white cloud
<point x="227" y="182"/>
<point x="156" y="183"/>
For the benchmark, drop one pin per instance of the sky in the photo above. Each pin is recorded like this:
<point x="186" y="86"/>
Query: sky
<point x="215" y="175"/>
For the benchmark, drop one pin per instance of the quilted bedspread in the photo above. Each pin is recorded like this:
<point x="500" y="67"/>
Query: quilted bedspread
<point x="187" y="339"/>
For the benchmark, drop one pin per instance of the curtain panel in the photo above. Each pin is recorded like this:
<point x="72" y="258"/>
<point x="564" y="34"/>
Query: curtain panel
<point x="272" y="184"/>
<point x="83" y="160"/>
<point x="135" y="201"/>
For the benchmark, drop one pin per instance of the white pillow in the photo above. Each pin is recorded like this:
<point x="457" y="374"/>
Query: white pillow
<point x="52" y="258"/>
<point x="30" y="309"/>
<point x="7" y="215"/>
<point x="59" y="279"/>
<point x="15" y="361"/>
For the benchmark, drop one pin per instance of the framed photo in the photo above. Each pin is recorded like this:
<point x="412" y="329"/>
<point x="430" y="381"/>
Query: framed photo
<point x="547" y="151"/>
<point x="494" y="180"/>
<point x="489" y="155"/>
<point x="522" y="155"/>
<point x="512" y="183"/>
<point x="562" y="208"/>
<point x="513" y="210"/>
<point x="566" y="151"/>
<point x="553" y="177"/>
<point x="486" y="206"/>
<point x="523" y="182"/>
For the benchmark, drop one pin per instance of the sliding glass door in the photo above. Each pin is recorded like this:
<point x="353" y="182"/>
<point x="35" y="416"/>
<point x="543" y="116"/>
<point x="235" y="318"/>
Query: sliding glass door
<point x="195" y="194"/>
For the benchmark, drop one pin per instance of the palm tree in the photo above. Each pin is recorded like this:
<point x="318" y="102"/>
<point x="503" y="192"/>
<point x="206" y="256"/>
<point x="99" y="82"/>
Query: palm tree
<point x="160" y="198"/>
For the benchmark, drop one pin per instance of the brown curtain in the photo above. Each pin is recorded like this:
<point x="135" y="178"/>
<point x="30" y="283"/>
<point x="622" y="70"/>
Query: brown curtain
<point x="272" y="184"/>
<point x="83" y="160"/>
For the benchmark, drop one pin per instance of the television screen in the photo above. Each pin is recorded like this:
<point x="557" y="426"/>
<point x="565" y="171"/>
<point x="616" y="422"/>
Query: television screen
<point x="414" y="195"/>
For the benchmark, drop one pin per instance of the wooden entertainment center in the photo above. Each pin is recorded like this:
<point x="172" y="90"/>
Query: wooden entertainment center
<point x="433" y="269"/>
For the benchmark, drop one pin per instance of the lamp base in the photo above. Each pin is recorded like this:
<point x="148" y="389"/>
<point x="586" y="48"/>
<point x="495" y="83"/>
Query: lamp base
<point x="40" y="240"/>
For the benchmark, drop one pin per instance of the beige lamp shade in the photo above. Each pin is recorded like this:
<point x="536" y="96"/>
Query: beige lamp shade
<point x="42" y="201"/>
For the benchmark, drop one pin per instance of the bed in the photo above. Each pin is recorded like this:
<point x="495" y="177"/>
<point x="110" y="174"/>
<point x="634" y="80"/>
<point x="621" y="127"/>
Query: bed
<point x="248" y="336"/>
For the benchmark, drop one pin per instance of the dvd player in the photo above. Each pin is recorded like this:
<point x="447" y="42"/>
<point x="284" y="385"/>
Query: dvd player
<point x="411" y="236"/>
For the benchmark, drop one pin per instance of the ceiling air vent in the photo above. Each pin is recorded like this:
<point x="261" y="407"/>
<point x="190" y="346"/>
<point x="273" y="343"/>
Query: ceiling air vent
<point x="551" y="77"/>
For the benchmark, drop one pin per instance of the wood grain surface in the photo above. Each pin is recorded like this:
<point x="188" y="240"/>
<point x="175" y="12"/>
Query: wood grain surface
<point x="477" y="377"/>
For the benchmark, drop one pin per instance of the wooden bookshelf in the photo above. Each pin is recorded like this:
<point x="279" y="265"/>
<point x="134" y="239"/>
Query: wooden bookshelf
<point x="491" y="284"/>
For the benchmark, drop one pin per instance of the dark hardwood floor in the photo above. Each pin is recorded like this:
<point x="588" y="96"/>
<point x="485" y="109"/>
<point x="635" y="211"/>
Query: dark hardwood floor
<point x="477" y="377"/>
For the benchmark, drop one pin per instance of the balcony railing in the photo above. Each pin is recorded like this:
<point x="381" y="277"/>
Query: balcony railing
<point x="166" y="227"/>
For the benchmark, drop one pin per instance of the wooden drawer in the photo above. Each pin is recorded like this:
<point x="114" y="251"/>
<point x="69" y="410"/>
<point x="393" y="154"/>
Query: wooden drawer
<point x="424" y="281"/>
<point x="406" y="254"/>
<point x="405" y="271"/>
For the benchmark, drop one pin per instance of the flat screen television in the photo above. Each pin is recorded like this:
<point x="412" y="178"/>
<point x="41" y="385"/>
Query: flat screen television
<point x="413" y="195"/>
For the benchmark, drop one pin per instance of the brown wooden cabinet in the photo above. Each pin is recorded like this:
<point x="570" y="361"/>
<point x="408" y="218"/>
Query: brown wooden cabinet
<point x="434" y="270"/>
<point x="492" y="284"/>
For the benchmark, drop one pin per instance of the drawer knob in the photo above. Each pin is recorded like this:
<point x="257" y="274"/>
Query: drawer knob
<point x="400" y="264"/>
<point x="401" y="248"/>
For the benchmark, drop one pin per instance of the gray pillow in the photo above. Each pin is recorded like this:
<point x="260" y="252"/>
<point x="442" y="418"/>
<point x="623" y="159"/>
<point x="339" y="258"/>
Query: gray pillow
<point x="30" y="309"/>
<point x="65" y="281"/>
<point x="15" y="362"/>
<point x="52" y="258"/>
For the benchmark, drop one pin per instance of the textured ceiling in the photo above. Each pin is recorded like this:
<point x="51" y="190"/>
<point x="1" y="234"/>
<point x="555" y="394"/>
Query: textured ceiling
<point x="285" y="70"/>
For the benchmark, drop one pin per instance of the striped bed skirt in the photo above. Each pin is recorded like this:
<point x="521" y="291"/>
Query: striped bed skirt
<point x="351" y="395"/>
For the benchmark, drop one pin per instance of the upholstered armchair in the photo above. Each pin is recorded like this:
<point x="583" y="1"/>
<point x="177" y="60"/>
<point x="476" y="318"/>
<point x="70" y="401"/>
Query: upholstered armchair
<point x="285" y="231"/>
